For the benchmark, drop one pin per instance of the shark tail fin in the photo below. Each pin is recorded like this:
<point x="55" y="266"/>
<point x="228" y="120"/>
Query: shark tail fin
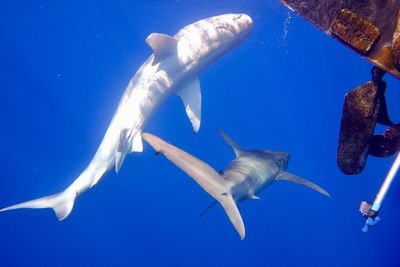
<point x="62" y="203"/>
<point x="283" y="175"/>
<point x="229" y="140"/>
<point x="204" y="175"/>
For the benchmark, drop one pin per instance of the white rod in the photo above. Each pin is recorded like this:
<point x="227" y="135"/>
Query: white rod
<point x="386" y="184"/>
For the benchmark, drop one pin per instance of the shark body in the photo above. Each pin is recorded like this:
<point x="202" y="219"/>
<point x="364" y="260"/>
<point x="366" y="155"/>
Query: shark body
<point x="248" y="174"/>
<point x="173" y="68"/>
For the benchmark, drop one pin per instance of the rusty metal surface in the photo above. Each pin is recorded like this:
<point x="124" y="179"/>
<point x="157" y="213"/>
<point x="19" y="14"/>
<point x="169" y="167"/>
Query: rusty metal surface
<point x="381" y="13"/>
<point x="396" y="44"/>
<point x="363" y="108"/>
<point x="387" y="144"/>
<point x="354" y="30"/>
<point x="360" y="114"/>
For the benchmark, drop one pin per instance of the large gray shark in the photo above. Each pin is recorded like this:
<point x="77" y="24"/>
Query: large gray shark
<point x="248" y="174"/>
<point x="173" y="68"/>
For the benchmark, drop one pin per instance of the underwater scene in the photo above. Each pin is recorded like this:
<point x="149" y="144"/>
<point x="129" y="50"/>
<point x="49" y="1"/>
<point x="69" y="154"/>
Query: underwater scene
<point x="200" y="133"/>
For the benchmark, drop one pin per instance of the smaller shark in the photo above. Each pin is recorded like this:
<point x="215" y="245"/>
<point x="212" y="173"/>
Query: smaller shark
<point x="247" y="175"/>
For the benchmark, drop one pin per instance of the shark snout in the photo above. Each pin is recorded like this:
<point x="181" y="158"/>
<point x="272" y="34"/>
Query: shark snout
<point x="244" y="24"/>
<point x="245" y="20"/>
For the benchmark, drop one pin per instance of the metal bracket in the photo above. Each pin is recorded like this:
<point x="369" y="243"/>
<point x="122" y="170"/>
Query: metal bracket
<point x="369" y="27"/>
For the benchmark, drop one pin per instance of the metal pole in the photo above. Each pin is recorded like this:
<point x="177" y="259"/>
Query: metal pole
<point x="386" y="184"/>
<point x="370" y="212"/>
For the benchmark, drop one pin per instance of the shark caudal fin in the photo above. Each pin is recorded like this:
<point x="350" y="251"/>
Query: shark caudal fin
<point x="204" y="175"/>
<point x="283" y="175"/>
<point x="62" y="203"/>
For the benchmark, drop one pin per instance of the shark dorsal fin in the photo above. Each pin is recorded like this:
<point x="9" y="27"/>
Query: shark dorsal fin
<point x="230" y="141"/>
<point x="162" y="45"/>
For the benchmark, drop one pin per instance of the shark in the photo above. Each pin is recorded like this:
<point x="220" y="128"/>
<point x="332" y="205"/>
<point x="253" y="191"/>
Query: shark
<point x="172" y="69"/>
<point x="248" y="174"/>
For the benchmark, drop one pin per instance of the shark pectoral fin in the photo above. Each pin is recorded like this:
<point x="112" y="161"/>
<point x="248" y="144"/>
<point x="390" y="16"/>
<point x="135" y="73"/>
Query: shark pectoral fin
<point x="191" y="98"/>
<point x="137" y="144"/>
<point x="230" y="141"/>
<point x="283" y="175"/>
<point x="162" y="45"/>
<point x="254" y="197"/>
<point x="229" y="205"/>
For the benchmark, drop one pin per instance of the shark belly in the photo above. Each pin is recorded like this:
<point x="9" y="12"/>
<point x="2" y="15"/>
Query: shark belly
<point x="146" y="91"/>
<point x="250" y="176"/>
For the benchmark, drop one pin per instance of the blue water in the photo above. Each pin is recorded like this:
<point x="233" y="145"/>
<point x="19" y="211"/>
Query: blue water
<point x="63" y="68"/>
